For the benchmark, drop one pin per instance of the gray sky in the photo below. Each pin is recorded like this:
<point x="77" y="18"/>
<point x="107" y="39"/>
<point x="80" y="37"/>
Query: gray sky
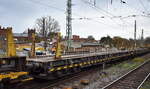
<point x="22" y="14"/>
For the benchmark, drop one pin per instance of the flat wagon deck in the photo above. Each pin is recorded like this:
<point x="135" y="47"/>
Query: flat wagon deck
<point x="48" y="67"/>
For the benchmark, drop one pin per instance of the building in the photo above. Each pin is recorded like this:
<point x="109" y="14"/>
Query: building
<point x="93" y="47"/>
<point x="21" y="37"/>
<point x="3" y="44"/>
<point x="26" y="37"/>
<point x="82" y="44"/>
<point x="77" y="38"/>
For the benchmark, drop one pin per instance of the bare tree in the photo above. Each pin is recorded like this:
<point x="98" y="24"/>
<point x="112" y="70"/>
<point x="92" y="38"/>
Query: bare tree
<point x="46" y="26"/>
<point x="90" y="37"/>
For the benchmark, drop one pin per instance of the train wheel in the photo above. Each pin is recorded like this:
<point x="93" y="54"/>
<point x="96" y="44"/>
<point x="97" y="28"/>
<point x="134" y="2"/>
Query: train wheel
<point x="5" y="83"/>
<point x="58" y="74"/>
<point x="77" y="69"/>
<point x="70" y="71"/>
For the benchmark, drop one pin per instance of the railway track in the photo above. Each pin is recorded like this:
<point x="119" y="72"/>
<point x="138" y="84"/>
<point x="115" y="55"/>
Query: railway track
<point x="133" y="79"/>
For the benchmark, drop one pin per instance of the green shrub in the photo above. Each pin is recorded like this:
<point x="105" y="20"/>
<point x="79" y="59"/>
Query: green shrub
<point x="138" y="59"/>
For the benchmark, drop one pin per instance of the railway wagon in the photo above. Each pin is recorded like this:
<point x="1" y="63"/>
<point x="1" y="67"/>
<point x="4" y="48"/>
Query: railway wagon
<point x="12" y="71"/>
<point x="48" y="68"/>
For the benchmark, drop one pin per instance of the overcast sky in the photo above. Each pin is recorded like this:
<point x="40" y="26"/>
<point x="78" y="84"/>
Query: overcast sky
<point x="22" y="14"/>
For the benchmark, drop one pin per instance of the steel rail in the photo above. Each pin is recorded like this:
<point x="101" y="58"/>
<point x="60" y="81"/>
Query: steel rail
<point x="143" y="81"/>
<point x="115" y="81"/>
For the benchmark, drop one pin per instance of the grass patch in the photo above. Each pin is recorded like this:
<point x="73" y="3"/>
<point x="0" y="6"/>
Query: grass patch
<point x="138" y="59"/>
<point x="130" y="64"/>
<point x="125" y="66"/>
<point x="146" y="85"/>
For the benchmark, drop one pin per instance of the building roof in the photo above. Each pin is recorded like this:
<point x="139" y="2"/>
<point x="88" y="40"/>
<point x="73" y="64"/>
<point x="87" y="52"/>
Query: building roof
<point x="24" y="35"/>
<point x="20" y="34"/>
<point x="91" y="44"/>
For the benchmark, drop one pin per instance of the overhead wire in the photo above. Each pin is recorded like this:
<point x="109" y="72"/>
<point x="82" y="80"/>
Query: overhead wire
<point x="142" y="4"/>
<point x="53" y="7"/>
<point x="135" y="9"/>
<point x="91" y="19"/>
<point x="98" y="9"/>
<point x="104" y="12"/>
<point x="133" y="16"/>
<point x="62" y="10"/>
<point x="111" y="15"/>
<point x="44" y="4"/>
<point x="103" y="23"/>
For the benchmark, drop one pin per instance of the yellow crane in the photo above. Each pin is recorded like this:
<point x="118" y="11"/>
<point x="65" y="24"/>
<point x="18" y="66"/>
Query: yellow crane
<point x="11" y="50"/>
<point x="58" y="47"/>
<point x="32" y="53"/>
<point x="12" y="73"/>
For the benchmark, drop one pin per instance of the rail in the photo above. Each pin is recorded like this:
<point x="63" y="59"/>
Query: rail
<point x="117" y="81"/>
<point x="139" y="87"/>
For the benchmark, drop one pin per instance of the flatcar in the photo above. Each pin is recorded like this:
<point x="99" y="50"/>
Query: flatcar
<point x="48" y="68"/>
<point x="12" y="71"/>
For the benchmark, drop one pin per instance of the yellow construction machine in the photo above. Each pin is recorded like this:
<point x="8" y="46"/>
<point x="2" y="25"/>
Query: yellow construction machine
<point x="58" y="47"/>
<point x="12" y="67"/>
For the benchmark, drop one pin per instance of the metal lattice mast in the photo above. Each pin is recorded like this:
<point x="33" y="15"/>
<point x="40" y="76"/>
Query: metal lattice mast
<point x="142" y="37"/>
<point x="135" y="34"/>
<point x="69" y="23"/>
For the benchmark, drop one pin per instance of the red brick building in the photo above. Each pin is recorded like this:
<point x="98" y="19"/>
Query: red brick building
<point x="76" y="38"/>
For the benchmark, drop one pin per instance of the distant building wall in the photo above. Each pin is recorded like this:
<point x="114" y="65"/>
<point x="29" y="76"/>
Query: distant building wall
<point x="30" y="31"/>
<point x="76" y="37"/>
<point x="3" y="44"/>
